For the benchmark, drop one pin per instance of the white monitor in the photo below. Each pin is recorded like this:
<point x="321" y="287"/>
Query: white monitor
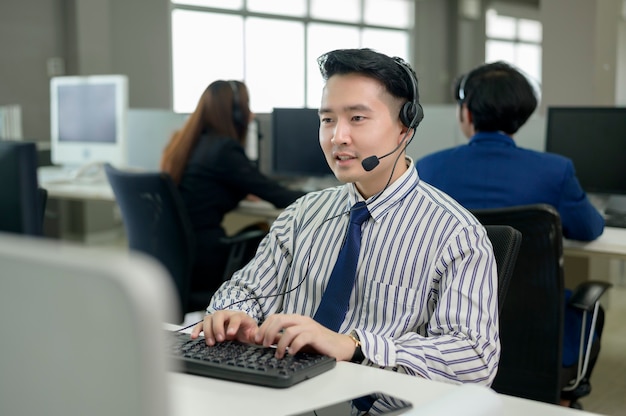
<point x="88" y="119"/>
<point x="149" y="131"/>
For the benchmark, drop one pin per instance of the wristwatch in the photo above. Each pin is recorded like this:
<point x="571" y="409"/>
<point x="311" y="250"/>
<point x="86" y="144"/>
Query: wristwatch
<point x="358" y="356"/>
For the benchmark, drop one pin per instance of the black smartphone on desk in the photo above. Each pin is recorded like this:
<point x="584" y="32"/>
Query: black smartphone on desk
<point x="350" y="407"/>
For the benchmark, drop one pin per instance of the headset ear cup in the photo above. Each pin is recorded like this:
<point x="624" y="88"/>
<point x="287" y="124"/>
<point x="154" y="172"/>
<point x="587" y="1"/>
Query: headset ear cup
<point x="419" y="116"/>
<point x="238" y="118"/>
<point x="411" y="114"/>
<point x="406" y="114"/>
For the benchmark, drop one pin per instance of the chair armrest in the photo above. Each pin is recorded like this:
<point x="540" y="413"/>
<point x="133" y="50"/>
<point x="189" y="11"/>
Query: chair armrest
<point x="587" y="294"/>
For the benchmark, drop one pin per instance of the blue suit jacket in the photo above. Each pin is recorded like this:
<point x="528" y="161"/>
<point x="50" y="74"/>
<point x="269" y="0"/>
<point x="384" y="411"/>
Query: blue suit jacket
<point x="492" y="172"/>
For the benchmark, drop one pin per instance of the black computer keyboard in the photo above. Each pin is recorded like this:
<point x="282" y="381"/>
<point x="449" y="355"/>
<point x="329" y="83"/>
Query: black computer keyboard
<point x="245" y="363"/>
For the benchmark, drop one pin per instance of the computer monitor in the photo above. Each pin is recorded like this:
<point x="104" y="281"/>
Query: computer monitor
<point x="594" y="138"/>
<point x="88" y="119"/>
<point x="149" y="131"/>
<point x="21" y="210"/>
<point x="296" y="151"/>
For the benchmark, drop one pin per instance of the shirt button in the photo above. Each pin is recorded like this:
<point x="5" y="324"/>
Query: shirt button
<point x="378" y="357"/>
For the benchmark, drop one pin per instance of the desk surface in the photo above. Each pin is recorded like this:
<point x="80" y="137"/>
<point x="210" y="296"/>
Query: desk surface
<point x="194" y="395"/>
<point x="59" y="185"/>
<point x="612" y="243"/>
<point x="79" y="190"/>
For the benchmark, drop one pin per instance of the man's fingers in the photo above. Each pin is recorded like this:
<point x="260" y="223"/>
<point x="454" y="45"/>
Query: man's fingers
<point x="195" y="332"/>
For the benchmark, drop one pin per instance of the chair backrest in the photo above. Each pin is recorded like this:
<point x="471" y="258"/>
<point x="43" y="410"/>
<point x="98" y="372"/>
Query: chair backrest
<point x="156" y="222"/>
<point x="20" y="206"/>
<point x="102" y="349"/>
<point x="506" y="242"/>
<point x="531" y="322"/>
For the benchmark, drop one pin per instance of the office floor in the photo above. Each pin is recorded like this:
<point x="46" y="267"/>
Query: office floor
<point x="608" y="394"/>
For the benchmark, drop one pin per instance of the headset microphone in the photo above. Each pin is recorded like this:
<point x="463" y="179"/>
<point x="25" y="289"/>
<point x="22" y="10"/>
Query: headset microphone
<point x="371" y="162"/>
<point x="411" y="114"/>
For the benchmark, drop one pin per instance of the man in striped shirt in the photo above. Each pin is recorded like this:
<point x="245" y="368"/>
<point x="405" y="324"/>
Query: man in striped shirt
<point x="424" y="301"/>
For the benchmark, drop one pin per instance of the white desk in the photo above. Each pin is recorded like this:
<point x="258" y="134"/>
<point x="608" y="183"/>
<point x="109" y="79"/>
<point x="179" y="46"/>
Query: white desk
<point x="259" y="209"/>
<point x="84" y="191"/>
<point x="595" y="260"/>
<point x="82" y="210"/>
<point x="101" y="190"/>
<point x="194" y="395"/>
<point x="612" y="243"/>
<point x="59" y="185"/>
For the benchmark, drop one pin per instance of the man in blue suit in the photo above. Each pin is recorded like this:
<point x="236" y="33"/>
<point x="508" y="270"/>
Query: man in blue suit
<point x="495" y="100"/>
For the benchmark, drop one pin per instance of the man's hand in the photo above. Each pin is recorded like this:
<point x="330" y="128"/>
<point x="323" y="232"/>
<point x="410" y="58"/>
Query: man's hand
<point x="225" y="326"/>
<point x="292" y="333"/>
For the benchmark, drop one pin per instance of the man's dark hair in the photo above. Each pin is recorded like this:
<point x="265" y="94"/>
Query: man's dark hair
<point x="372" y="64"/>
<point x="499" y="97"/>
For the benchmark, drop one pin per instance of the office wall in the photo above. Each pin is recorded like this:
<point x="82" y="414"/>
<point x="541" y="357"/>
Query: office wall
<point x="434" y="49"/>
<point x="130" y="37"/>
<point x="620" y="98"/>
<point x="580" y="50"/>
<point x="86" y="37"/>
<point x="31" y="32"/>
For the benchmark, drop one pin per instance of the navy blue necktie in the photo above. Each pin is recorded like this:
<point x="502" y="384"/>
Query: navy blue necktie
<point x="334" y="305"/>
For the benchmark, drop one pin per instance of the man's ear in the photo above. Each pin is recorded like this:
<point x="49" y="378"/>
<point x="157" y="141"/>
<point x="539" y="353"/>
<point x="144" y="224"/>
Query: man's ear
<point x="466" y="122"/>
<point x="466" y="115"/>
<point x="403" y="133"/>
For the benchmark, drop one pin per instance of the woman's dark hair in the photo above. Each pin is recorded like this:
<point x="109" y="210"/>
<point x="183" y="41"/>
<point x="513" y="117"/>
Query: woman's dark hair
<point x="220" y="112"/>
<point x="499" y="97"/>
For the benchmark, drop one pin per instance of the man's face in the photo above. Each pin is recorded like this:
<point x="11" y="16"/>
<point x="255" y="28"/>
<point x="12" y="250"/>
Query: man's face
<point x="358" y="119"/>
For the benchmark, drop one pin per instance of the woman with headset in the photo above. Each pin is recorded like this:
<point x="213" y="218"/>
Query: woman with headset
<point x="207" y="161"/>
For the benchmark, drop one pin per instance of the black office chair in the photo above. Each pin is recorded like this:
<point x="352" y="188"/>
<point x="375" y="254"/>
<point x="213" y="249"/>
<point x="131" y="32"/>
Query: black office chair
<point x="531" y="322"/>
<point x="42" y="200"/>
<point x="22" y="203"/>
<point x="576" y="377"/>
<point x="157" y="223"/>
<point x="506" y="242"/>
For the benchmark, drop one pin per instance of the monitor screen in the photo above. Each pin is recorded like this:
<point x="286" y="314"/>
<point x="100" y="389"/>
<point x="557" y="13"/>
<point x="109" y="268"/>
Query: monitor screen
<point x="88" y="119"/>
<point x="296" y="149"/>
<point x="594" y="138"/>
<point x="149" y="131"/>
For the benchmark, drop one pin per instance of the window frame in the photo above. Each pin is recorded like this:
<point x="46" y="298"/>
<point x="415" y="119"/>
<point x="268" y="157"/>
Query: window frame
<point x="305" y="20"/>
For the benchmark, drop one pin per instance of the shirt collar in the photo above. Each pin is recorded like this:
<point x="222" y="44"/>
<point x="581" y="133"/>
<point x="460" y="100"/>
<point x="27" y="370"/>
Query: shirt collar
<point x="492" y="138"/>
<point x="379" y="204"/>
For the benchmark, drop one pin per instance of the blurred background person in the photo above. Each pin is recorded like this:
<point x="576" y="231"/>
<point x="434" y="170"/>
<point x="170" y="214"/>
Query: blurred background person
<point x="207" y="161"/>
<point x="491" y="171"/>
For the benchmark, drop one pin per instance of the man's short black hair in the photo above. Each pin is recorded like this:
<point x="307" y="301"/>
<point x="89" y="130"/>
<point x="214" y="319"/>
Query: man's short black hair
<point x="372" y="64"/>
<point x="499" y="97"/>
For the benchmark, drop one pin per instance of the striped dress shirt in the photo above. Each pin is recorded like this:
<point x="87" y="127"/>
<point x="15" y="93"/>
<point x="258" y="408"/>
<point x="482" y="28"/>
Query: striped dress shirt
<point x="425" y="297"/>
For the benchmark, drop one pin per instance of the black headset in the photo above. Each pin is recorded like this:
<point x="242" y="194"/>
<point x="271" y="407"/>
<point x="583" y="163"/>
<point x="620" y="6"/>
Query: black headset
<point x="411" y="113"/>
<point x="238" y="118"/>
<point x="462" y="87"/>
